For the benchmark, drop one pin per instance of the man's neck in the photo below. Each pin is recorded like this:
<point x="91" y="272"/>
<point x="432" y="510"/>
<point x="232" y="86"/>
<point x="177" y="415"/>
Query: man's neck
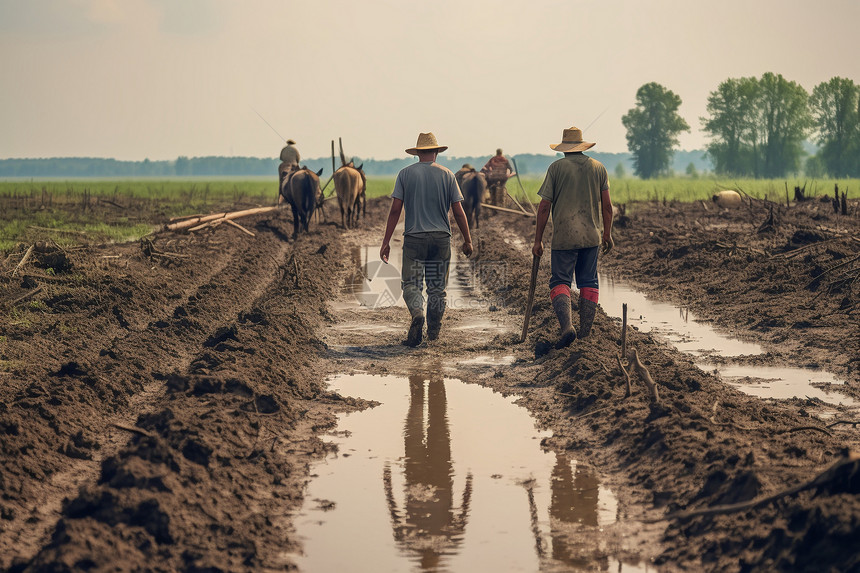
<point x="427" y="156"/>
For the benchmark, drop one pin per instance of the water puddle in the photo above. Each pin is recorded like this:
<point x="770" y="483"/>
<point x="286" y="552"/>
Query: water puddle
<point x="448" y="476"/>
<point x="686" y="332"/>
<point x="374" y="284"/>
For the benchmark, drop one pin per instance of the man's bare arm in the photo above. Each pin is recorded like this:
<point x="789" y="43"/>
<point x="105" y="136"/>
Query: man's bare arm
<point x="542" y="218"/>
<point x="606" y="209"/>
<point x="393" y="217"/>
<point x="463" y="224"/>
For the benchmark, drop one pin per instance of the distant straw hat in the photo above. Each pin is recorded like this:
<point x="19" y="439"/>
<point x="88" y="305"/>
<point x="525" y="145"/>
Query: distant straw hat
<point x="426" y="142"/>
<point x="290" y="142"/>
<point x="571" y="140"/>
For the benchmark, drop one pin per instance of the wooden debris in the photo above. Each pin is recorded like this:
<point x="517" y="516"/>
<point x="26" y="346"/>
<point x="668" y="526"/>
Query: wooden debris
<point x="827" y="476"/>
<point x="24" y="260"/>
<point x="27" y="295"/>
<point x="133" y="430"/>
<point x="240" y="227"/>
<point x="626" y="376"/>
<point x="506" y="210"/>
<point x="197" y="221"/>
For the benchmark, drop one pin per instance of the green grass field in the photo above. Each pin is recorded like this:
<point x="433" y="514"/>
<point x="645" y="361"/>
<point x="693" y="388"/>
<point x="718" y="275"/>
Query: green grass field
<point x="123" y="210"/>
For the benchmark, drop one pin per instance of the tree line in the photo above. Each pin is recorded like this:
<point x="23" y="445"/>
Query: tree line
<point x="217" y="166"/>
<point x="756" y="127"/>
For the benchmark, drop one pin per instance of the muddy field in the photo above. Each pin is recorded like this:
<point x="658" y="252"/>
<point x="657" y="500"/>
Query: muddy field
<point x="164" y="402"/>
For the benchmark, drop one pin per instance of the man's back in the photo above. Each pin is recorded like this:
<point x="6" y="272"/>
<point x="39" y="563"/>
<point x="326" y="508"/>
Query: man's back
<point x="573" y="185"/>
<point x="427" y="191"/>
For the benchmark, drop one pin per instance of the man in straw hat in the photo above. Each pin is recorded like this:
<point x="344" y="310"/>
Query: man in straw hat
<point x="289" y="160"/>
<point x="428" y="191"/>
<point x="576" y="191"/>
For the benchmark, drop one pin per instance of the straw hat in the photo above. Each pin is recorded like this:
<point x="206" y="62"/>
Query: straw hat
<point x="426" y="142"/>
<point x="571" y="140"/>
<point x="290" y="142"/>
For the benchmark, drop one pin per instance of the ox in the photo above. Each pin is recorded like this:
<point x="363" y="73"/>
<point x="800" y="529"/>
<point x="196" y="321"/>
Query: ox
<point x="473" y="184"/>
<point x="301" y="191"/>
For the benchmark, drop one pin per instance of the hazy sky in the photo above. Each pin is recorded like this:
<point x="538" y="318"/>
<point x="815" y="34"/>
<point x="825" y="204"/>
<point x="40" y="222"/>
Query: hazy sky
<point x="135" y="79"/>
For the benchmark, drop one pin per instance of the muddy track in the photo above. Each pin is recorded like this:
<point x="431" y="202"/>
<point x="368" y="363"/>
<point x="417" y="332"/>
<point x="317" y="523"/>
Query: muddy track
<point x="216" y="361"/>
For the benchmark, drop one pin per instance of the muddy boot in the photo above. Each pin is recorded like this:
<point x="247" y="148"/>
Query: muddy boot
<point x="416" y="332"/>
<point x="561" y="306"/>
<point x="434" y="320"/>
<point x="587" y="309"/>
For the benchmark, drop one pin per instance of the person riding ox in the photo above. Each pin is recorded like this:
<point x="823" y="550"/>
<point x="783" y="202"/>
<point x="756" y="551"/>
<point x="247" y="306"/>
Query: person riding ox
<point x="497" y="170"/>
<point x="427" y="191"/>
<point x="289" y="161"/>
<point x="576" y="191"/>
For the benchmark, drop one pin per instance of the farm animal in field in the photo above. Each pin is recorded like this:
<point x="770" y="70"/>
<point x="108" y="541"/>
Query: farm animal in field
<point x="350" y="185"/>
<point x="301" y="192"/>
<point x="728" y="199"/>
<point x="473" y="185"/>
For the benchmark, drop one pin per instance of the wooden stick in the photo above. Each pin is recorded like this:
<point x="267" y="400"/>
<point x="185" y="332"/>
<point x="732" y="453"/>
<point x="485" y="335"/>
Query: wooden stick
<point x="514" y="199"/>
<point x="240" y="227"/>
<point x="26" y="296"/>
<point x="178" y="226"/>
<point x="184" y="217"/>
<point x="24" y="260"/>
<point x="819" y="480"/>
<point x="624" y="331"/>
<point x="506" y="210"/>
<point x="132" y="430"/>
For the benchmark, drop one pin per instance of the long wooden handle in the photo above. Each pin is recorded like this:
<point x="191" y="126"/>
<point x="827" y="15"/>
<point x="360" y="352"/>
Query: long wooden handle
<point x="531" y="299"/>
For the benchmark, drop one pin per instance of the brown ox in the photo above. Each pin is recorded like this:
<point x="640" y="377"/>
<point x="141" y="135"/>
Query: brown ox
<point x="350" y="185"/>
<point x="301" y="190"/>
<point x="473" y="184"/>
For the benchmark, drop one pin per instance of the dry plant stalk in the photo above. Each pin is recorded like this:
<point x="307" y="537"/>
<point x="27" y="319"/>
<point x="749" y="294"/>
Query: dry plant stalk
<point x="24" y="260"/>
<point x="626" y="376"/>
<point x="644" y="374"/>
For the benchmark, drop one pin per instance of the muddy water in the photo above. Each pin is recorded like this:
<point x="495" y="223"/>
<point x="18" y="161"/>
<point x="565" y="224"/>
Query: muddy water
<point x="686" y="332"/>
<point x="448" y="476"/>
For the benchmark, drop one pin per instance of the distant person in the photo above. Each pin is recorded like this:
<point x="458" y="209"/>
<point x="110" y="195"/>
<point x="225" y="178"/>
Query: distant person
<point x="428" y="191"/>
<point x="576" y="191"/>
<point x="498" y="170"/>
<point x="289" y="161"/>
<point x="499" y="164"/>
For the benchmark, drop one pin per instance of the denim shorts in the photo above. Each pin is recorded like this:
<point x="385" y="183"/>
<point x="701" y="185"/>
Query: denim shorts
<point x="579" y="263"/>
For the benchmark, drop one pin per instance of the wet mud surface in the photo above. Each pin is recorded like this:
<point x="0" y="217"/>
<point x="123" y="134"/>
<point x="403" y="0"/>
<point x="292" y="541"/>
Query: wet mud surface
<point x="163" y="408"/>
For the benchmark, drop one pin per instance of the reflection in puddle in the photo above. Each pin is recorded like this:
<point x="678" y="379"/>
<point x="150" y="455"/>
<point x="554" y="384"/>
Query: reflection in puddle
<point x="489" y="360"/>
<point x="686" y="333"/>
<point x="447" y="476"/>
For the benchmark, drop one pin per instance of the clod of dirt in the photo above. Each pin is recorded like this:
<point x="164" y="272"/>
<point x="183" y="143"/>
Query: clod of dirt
<point x="196" y="452"/>
<point x="70" y="369"/>
<point x="222" y="334"/>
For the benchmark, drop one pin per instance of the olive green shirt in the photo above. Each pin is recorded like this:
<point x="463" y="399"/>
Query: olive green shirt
<point x="573" y="185"/>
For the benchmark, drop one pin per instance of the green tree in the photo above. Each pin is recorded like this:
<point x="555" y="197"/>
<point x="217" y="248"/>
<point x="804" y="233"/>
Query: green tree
<point x="620" y="172"/>
<point x="785" y="122"/>
<point x="836" y="114"/>
<point x="692" y="172"/>
<point x="652" y="129"/>
<point x="757" y="126"/>
<point x="733" y="127"/>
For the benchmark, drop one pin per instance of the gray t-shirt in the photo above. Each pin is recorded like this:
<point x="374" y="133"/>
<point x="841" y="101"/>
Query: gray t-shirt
<point x="427" y="191"/>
